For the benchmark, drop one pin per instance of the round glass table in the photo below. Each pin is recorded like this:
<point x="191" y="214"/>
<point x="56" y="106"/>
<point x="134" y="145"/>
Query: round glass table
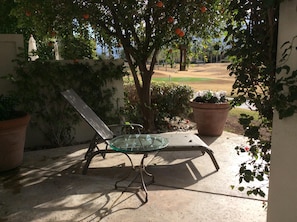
<point x="138" y="144"/>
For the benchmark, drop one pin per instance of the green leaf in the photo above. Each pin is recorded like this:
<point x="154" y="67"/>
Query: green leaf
<point x="261" y="193"/>
<point x="241" y="189"/>
<point x="260" y="178"/>
<point x="249" y="192"/>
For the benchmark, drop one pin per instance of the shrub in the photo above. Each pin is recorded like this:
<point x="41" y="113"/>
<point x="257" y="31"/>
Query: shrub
<point x="169" y="100"/>
<point x="39" y="85"/>
<point x="7" y="107"/>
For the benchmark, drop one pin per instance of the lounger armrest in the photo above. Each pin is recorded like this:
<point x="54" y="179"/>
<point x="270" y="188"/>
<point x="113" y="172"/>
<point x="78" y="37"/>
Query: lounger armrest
<point x="127" y="128"/>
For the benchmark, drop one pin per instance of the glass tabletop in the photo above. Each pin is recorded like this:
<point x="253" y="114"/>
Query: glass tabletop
<point x="138" y="143"/>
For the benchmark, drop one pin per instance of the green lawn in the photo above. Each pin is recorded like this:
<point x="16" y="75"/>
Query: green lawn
<point x="237" y="111"/>
<point x="180" y="79"/>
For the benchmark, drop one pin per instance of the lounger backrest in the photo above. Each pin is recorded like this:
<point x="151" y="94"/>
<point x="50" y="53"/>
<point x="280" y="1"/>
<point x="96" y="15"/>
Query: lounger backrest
<point x="88" y="114"/>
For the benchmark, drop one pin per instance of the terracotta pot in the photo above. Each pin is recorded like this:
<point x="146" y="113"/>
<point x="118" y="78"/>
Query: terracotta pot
<point x="210" y="117"/>
<point x="12" y="142"/>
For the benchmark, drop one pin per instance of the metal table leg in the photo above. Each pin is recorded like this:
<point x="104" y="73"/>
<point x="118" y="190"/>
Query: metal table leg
<point x="141" y="171"/>
<point x="127" y="176"/>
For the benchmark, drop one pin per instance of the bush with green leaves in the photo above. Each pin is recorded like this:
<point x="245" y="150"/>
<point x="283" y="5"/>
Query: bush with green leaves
<point x="259" y="81"/>
<point x="253" y="63"/>
<point x="169" y="101"/>
<point x="8" y="105"/>
<point x="39" y="85"/>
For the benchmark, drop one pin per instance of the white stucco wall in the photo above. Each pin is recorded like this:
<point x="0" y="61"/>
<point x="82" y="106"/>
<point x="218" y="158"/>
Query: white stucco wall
<point x="9" y="48"/>
<point x="83" y="132"/>
<point x="282" y="200"/>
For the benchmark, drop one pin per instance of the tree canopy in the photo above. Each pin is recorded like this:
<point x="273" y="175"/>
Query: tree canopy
<point x="141" y="28"/>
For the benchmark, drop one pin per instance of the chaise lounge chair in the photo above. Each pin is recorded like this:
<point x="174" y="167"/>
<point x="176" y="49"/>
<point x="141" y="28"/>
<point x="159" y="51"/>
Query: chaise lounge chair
<point x="103" y="133"/>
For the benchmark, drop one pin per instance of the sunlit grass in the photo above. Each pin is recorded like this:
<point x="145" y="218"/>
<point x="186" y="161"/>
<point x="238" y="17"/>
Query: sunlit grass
<point x="176" y="80"/>
<point x="237" y="111"/>
<point x="180" y="79"/>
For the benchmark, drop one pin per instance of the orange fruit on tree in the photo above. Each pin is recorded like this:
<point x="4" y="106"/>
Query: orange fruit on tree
<point x="203" y="9"/>
<point x="28" y="13"/>
<point x="181" y="34"/>
<point x="178" y="31"/>
<point x="86" y="16"/>
<point x="159" y="4"/>
<point x="170" y="19"/>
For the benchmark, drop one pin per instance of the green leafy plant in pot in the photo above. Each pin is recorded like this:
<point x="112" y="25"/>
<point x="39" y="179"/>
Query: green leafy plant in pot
<point x="210" y="112"/>
<point x="13" y="126"/>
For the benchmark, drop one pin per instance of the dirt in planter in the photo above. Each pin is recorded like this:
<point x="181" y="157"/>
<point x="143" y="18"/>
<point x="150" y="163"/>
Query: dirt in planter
<point x="184" y="124"/>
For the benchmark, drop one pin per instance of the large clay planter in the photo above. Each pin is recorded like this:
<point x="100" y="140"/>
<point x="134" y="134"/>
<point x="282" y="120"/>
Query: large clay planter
<point x="210" y="117"/>
<point x="12" y="142"/>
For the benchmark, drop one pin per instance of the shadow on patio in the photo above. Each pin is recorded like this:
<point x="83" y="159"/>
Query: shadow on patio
<point x="49" y="187"/>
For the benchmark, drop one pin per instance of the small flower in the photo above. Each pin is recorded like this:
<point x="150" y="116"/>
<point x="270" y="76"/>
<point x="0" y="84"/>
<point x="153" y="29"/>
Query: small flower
<point x="247" y="149"/>
<point x="208" y="96"/>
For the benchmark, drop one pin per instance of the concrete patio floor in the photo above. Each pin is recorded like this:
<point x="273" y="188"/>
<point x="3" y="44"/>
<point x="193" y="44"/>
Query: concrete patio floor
<point x="49" y="186"/>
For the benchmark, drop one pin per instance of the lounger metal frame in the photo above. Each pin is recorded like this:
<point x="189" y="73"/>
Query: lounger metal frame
<point x="103" y="133"/>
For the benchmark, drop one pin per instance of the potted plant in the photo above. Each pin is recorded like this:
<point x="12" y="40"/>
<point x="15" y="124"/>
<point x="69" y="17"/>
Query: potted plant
<point x="210" y="112"/>
<point x="13" y="125"/>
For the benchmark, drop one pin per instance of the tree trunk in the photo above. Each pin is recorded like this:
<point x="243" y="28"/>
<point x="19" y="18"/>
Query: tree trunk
<point x="183" y="58"/>
<point x="143" y="90"/>
<point x="146" y="102"/>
